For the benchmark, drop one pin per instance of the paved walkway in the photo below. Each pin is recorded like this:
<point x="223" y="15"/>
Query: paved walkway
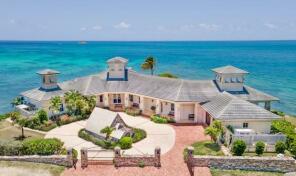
<point x="157" y="135"/>
<point x="172" y="162"/>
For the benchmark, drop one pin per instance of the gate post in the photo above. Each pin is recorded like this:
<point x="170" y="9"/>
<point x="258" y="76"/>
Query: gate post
<point x="157" y="152"/>
<point x="69" y="157"/>
<point x="84" y="158"/>
<point x="117" y="155"/>
<point x="189" y="160"/>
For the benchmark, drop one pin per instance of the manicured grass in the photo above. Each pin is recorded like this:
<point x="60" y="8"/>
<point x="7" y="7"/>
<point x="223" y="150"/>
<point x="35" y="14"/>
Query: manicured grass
<point x="10" y="133"/>
<point x="207" y="148"/>
<point x="14" y="168"/>
<point x="218" y="172"/>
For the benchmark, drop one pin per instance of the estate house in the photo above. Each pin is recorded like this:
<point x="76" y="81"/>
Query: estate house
<point x="226" y="98"/>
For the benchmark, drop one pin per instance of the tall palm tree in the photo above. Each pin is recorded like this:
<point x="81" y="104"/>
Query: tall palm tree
<point x="71" y="98"/>
<point x="55" y="104"/>
<point x="149" y="64"/>
<point x="107" y="130"/>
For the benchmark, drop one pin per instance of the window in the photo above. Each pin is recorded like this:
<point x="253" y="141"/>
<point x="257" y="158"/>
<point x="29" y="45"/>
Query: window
<point x="131" y="98"/>
<point x="172" y="107"/>
<point x="116" y="99"/>
<point x="101" y="98"/>
<point x="245" y="125"/>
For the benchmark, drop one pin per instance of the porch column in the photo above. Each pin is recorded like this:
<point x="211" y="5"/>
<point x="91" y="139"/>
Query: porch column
<point x="177" y="112"/>
<point x="158" y="106"/>
<point x="126" y="100"/>
<point x="106" y="100"/>
<point x="195" y="112"/>
<point x="141" y="103"/>
<point x="267" y="105"/>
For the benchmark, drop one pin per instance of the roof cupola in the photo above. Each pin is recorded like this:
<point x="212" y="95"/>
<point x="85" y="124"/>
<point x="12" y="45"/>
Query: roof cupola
<point x="117" y="70"/>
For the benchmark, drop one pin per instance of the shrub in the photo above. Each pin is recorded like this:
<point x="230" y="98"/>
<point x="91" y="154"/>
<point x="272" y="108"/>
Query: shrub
<point x="42" y="116"/>
<point x="3" y="116"/>
<point x="48" y="146"/>
<point x="238" y="147"/>
<point x="88" y="137"/>
<point x="158" y="119"/>
<point x="293" y="149"/>
<point x="139" y="134"/>
<point x="282" y="126"/>
<point x="260" y="146"/>
<point x="167" y="75"/>
<point x="13" y="115"/>
<point x="280" y="147"/>
<point x="10" y="148"/>
<point x="280" y="113"/>
<point x="125" y="142"/>
<point x="230" y="128"/>
<point x="133" y="111"/>
<point x="141" y="164"/>
<point x="213" y="132"/>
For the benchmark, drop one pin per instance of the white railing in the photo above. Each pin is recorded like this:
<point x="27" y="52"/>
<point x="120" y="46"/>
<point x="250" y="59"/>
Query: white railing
<point x="269" y="139"/>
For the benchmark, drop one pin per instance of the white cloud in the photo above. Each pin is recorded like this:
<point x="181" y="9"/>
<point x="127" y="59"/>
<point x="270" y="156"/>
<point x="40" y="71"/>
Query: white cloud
<point x="208" y="26"/>
<point x="83" y="28"/>
<point x="97" y="28"/>
<point x="270" y="25"/>
<point x="187" y="27"/>
<point x="122" y="25"/>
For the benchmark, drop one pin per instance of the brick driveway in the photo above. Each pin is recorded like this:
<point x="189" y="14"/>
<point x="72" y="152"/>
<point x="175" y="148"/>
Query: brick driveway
<point x="172" y="162"/>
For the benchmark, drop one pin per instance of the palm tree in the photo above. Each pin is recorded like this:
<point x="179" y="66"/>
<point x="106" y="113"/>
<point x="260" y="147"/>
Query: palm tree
<point x="149" y="64"/>
<point x="16" y="101"/>
<point x="107" y="130"/>
<point x="70" y="99"/>
<point x="212" y="132"/>
<point x="22" y="122"/>
<point x="55" y="104"/>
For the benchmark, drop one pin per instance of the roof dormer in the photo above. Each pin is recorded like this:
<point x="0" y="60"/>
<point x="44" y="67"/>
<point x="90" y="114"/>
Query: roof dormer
<point x="48" y="79"/>
<point x="230" y="78"/>
<point x="117" y="70"/>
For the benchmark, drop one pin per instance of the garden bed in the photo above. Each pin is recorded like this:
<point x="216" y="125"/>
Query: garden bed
<point x="162" y="119"/>
<point x="138" y="136"/>
<point x="206" y="148"/>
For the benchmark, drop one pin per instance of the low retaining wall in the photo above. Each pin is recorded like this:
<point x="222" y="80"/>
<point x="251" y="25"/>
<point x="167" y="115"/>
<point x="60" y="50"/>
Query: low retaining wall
<point x="124" y="160"/>
<point x="273" y="164"/>
<point x="137" y="161"/>
<point x="61" y="160"/>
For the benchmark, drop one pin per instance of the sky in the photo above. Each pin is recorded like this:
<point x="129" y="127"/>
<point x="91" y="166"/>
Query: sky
<point x="151" y="20"/>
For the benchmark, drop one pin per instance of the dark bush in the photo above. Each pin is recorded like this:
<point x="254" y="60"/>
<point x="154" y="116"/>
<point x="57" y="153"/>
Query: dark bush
<point x="125" y="142"/>
<point x="260" y="146"/>
<point x="280" y="147"/>
<point x="48" y="146"/>
<point x="238" y="147"/>
<point x="292" y="149"/>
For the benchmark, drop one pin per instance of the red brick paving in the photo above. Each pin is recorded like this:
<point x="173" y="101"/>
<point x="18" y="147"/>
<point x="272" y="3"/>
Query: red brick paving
<point x="172" y="162"/>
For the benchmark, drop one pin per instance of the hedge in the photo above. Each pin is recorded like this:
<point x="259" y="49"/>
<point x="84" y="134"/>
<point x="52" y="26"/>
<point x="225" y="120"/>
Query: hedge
<point x="48" y="146"/>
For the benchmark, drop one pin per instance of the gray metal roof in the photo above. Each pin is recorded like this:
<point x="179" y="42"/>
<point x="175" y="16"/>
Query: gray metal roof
<point x="47" y="72"/>
<point x="178" y="90"/>
<point x="229" y="69"/>
<point x="117" y="59"/>
<point x="40" y="94"/>
<point x="229" y="107"/>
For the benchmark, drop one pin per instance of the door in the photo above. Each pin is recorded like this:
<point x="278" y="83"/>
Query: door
<point x="208" y="119"/>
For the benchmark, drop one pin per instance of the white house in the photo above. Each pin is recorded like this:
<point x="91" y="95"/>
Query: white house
<point x="120" y="87"/>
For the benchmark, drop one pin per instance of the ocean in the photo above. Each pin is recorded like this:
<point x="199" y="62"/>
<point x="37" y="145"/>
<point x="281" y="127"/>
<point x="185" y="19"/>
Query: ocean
<point x="272" y="64"/>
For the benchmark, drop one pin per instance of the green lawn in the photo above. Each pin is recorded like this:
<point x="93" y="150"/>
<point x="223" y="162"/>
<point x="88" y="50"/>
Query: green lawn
<point x="14" y="168"/>
<point x="207" y="148"/>
<point x="9" y="132"/>
<point x="218" y="172"/>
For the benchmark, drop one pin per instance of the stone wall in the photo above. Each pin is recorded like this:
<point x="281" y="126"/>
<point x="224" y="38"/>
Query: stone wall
<point x="54" y="159"/>
<point x="137" y="161"/>
<point x="62" y="160"/>
<point x="274" y="164"/>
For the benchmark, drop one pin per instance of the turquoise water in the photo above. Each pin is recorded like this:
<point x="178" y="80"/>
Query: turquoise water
<point x="272" y="64"/>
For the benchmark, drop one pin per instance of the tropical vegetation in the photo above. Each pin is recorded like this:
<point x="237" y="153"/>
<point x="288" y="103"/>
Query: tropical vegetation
<point x="108" y="131"/>
<point x="149" y="64"/>
<point x="215" y="130"/>
<point x="260" y="147"/>
<point x="162" y="119"/>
